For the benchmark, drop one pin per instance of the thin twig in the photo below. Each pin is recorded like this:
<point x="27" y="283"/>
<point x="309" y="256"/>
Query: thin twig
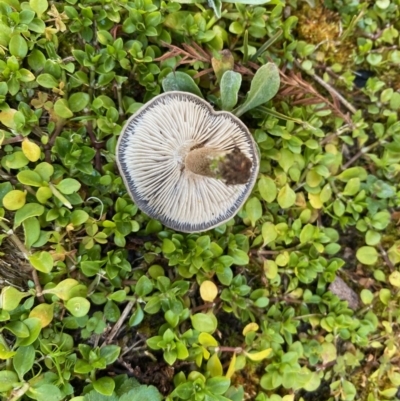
<point x="119" y="323"/>
<point x="385" y="257"/>
<point x="329" y="88"/>
<point x="360" y="153"/>
<point x="14" y="139"/>
<point x="18" y="243"/>
<point x="97" y="145"/>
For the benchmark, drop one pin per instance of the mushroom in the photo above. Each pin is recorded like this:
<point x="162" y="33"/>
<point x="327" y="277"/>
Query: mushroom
<point x="186" y="165"/>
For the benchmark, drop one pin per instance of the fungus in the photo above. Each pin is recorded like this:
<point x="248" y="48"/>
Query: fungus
<point x="186" y="165"/>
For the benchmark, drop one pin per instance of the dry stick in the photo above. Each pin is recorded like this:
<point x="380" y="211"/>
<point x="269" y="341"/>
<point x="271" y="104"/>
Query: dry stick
<point x="17" y="242"/>
<point x="14" y="139"/>
<point x="119" y="323"/>
<point x="360" y="153"/>
<point x="385" y="257"/>
<point x="330" y="89"/>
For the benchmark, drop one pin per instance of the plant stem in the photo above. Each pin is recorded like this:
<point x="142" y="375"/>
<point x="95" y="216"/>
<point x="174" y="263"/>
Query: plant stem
<point x="17" y="394"/>
<point x="18" y="243"/>
<point x="329" y="88"/>
<point x="119" y="323"/>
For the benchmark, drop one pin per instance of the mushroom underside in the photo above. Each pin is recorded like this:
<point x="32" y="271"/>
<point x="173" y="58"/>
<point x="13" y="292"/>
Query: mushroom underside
<point x="152" y="152"/>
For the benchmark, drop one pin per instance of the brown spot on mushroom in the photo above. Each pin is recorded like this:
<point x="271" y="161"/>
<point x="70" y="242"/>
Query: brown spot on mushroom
<point x="236" y="167"/>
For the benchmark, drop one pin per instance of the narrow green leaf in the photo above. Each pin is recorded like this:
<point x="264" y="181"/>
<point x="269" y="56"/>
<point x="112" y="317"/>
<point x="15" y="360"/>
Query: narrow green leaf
<point x="23" y="360"/>
<point x="230" y="85"/>
<point x="264" y="87"/>
<point x="180" y="81"/>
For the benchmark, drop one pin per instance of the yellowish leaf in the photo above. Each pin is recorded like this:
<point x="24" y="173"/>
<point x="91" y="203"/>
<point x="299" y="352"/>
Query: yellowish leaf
<point x="289" y="397"/>
<point x="329" y="352"/>
<point x="44" y="312"/>
<point x="231" y="369"/>
<point x="206" y="354"/>
<point x="7" y="118"/>
<point x="14" y="200"/>
<point x="259" y="356"/>
<point x="208" y="291"/>
<point x="315" y="201"/>
<point x="250" y="327"/>
<point x="30" y="150"/>
<point x="214" y="366"/>
<point x="207" y="340"/>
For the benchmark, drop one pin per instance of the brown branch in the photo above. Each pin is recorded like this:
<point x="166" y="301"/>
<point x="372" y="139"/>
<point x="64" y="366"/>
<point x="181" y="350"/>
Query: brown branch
<point x="18" y="138"/>
<point x="119" y="323"/>
<point x="386" y="258"/>
<point x="97" y="145"/>
<point x="304" y="93"/>
<point x="18" y="243"/>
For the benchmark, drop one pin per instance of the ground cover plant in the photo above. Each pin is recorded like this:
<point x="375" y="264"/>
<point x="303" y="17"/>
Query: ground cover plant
<point x="295" y="298"/>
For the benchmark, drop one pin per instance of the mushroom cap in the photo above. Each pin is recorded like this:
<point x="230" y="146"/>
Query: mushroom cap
<point x="151" y="153"/>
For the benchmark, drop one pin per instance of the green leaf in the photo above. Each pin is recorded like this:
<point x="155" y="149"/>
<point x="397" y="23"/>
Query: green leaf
<point x="269" y="233"/>
<point x="216" y="5"/>
<point x="214" y="366"/>
<point x="136" y="317"/>
<point x="207" y="340"/>
<point x="367" y="255"/>
<point x="27" y="211"/>
<point x="43" y="194"/>
<point x="286" y="197"/>
<point x="105" y="385"/>
<point x="253" y="210"/>
<point x="353" y="172"/>
<point x="142" y="393"/>
<point x="349" y="391"/>
<point x="8" y="380"/>
<point x="64" y="289"/>
<point x="68" y="186"/>
<point x="267" y="188"/>
<point x="366" y="296"/>
<point x="264" y="86"/>
<point x="61" y="107"/>
<point x="18" y="46"/>
<point x="110" y="353"/>
<point x="14" y="199"/>
<point x="34" y="326"/>
<point x="47" y="81"/>
<point x="168" y="246"/>
<point x="251" y="2"/>
<point x="42" y="261"/>
<point x="218" y="385"/>
<point x="203" y="322"/>
<point x="144" y="286"/>
<point x="78" y="217"/>
<point x="31" y="230"/>
<point x="45" y="392"/>
<point x="45" y="170"/>
<point x="372" y="238"/>
<point x="19" y="329"/>
<point x="29" y="177"/>
<point x="78" y="306"/>
<point x="5" y="187"/>
<point x="78" y="101"/>
<point x="184" y="391"/>
<point x="180" y="81"/>
<point x="307" y="233"/>
<point x="11" y="297"/>
<point x="39" y="6"/>
<point x="23" y="360"/>
<point x="230" y="85"/>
